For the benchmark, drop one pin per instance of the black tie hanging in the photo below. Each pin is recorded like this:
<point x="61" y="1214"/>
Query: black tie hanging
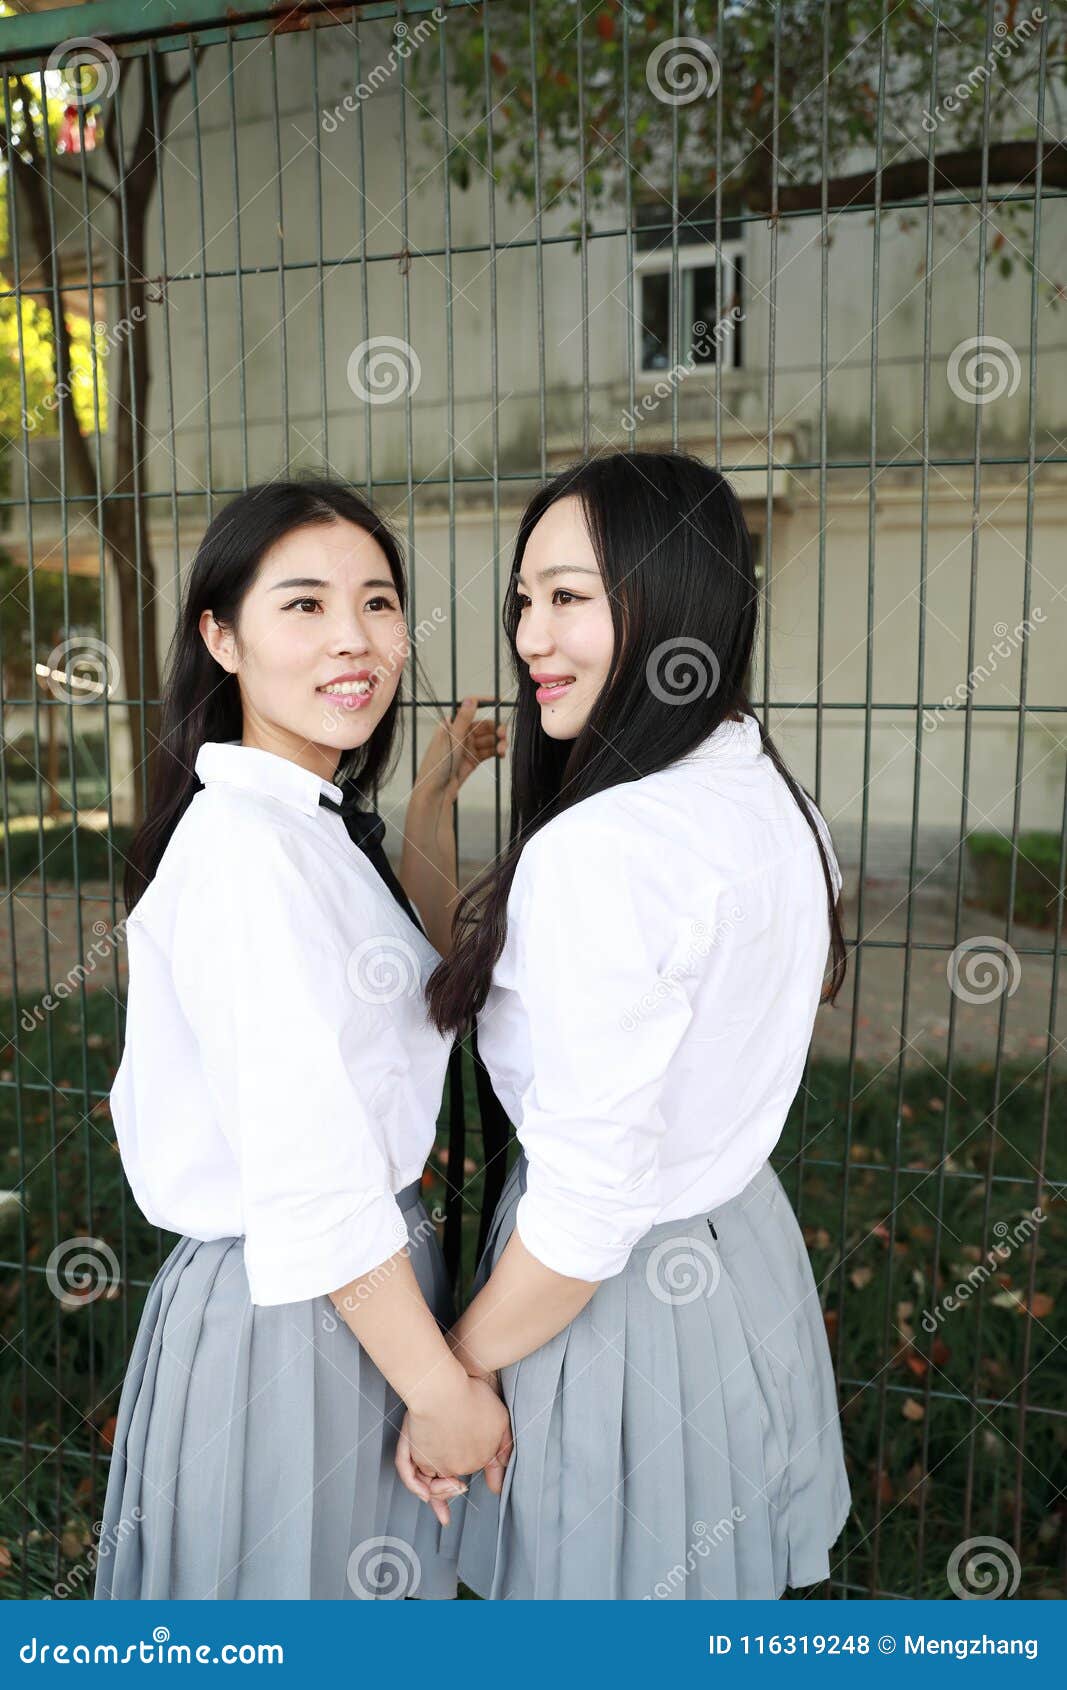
<point x="366" y="829"/>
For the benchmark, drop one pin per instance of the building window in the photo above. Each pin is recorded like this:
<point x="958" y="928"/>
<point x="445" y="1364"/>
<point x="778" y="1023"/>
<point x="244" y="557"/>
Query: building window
<point x="708" y="295"/>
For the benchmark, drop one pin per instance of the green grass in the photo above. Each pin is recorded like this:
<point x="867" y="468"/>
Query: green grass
<point x="1037" y="874"/>
<point x="871" y="1233"/>
<point x="26" y="850"/>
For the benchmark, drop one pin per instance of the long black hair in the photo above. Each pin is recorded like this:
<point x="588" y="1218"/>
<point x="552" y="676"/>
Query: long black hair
<point x="201" y="701"/>
<point x="676" y="560"/>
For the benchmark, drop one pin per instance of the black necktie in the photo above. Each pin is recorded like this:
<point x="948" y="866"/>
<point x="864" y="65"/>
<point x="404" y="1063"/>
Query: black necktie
<point x="367" y="830"/>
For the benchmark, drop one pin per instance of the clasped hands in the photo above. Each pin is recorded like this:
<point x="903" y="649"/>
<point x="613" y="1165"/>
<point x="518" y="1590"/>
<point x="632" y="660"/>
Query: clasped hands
<point x="457" y="1425"/>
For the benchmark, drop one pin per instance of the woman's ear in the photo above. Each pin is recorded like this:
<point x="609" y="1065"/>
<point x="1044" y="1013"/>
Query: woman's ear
<point x="219" y="640"/>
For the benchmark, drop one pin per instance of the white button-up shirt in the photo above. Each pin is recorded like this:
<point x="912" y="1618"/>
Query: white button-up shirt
<point x="280" y="1079"/>
<point x="649" y="1016"/>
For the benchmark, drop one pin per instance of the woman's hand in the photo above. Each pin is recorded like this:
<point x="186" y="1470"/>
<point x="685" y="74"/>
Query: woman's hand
<point x="438" y="1444"/>
<point x="457" y="747"/>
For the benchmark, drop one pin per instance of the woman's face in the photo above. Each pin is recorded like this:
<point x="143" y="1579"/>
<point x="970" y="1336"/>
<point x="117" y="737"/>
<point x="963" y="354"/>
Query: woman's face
<point x="565" y="635"/>
<point x="320" y="645"/>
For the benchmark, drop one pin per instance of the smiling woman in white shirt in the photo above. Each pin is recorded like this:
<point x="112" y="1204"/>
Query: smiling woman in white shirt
<point x="280" y="1084"/>
<point x="645" y="962"/>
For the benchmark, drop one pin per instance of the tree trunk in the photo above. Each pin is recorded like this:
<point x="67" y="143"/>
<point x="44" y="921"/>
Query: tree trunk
<point x="122" y="510"/>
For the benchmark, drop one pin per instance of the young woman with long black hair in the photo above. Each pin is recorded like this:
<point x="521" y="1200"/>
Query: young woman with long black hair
<point x="645" y="961"/>
<point x="280" y="1084"/>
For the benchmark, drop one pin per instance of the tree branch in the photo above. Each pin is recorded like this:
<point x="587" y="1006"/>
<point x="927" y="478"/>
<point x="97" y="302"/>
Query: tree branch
<point x="1011" y="163"/>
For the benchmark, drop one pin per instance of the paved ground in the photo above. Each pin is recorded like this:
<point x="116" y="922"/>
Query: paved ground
<point x="992" y="980"/>
<point x="881" y="971"/>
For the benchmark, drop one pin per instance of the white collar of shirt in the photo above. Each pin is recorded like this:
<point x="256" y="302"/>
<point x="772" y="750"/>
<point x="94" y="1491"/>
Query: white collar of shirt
<point x="732" y="742"/>
<point x="263" y="771"/>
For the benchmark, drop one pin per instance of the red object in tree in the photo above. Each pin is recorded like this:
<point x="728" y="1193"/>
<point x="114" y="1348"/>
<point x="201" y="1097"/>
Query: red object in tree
<point x="69" y="139"/>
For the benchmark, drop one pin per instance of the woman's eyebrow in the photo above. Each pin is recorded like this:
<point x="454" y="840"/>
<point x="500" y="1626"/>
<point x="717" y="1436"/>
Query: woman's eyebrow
<point x="310" y="581"/>
<point x="560" y="569"/>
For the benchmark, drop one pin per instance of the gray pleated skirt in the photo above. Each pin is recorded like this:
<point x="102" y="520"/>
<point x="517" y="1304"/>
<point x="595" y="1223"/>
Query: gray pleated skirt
<point x="253" y="1452"/>
<point x="679" y="1439"/>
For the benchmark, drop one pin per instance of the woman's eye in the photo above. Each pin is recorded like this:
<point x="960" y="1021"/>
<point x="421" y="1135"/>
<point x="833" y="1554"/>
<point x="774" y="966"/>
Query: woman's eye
<point x="560" y="596"/>
<point x="381" y="604"/>
<point x="294" y="602"/>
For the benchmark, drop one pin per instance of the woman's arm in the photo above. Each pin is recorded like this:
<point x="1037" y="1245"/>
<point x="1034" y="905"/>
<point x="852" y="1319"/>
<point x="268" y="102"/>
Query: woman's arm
<point x="522" y="1305"/>
<point x="427" y="870"/>
<point x="601" y="975"/>
<point x="457" y="1423"/>
<point x="290" y="1056"/>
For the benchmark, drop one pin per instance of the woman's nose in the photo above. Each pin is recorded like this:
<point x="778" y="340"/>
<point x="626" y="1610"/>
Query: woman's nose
<point x="533" y="639"/>
<point x="349" y="635"/>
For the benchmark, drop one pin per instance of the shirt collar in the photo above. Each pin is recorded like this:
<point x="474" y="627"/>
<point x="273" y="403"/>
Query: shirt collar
<point x="732" y="742"/>
<point x="263" y="771"/>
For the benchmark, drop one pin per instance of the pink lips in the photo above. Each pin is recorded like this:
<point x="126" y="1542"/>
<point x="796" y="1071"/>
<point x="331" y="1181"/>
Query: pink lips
<point x="349" y="700"/>
<point x="551" y="689"/>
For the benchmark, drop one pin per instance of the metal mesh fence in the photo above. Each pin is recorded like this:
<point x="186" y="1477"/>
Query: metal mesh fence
<point x="441" y="250"/>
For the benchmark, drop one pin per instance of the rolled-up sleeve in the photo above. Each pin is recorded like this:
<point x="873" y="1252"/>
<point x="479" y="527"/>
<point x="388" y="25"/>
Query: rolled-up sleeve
<point x="288" y="1049"/>
<point x="605" y="1017"/>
